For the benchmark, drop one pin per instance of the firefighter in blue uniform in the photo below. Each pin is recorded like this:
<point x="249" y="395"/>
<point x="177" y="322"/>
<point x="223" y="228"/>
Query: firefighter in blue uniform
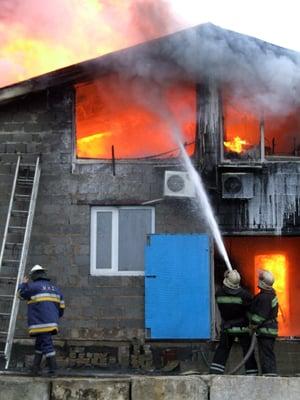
<point x="263" y="319"/>
<point x="45" y="307"/>
<point x="233" y="303"/>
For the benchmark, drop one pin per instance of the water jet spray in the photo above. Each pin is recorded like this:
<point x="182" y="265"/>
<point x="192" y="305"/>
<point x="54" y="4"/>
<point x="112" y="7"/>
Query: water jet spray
<point x="199" y="189"/>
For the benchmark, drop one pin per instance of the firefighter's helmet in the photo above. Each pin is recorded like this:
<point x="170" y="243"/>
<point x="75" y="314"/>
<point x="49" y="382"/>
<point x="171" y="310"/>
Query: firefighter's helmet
<point x="36" y="268"/>
<point x="265" y="279"/>
<point x="232" y="279"/>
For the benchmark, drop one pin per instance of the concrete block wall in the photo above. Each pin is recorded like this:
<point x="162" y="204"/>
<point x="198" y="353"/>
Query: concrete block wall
<point x="97" y="308"/>
<point x="150" y="388"/>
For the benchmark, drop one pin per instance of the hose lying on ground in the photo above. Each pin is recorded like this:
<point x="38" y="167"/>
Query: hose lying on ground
<point x="247" y="356"/>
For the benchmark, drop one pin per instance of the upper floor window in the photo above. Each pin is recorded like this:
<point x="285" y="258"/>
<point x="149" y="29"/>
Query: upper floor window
<point x="241" y="129"/>
<point x="118" y="239"/>
<point x="117" y="118"/>
<point x="282" y="133"/>
<point x="252" y="133"/>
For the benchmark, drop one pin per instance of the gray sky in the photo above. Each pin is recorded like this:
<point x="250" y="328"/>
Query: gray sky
<point x="277" y="22"/>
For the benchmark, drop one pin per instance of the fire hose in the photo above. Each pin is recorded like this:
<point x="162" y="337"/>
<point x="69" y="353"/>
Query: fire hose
<point x="247" y="355"/>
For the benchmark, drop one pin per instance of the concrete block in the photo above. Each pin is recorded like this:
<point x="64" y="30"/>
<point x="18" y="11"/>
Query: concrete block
<point x="15" y="388"/>
<point x="254" y="388"/>
<point x="98" y="389"/>
<point x="169" y="388"/>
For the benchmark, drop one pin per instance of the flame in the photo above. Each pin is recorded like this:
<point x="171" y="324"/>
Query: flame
<point x="277" y="264"/>
<point x="35" y="56"/>
<point x="236" y="144"/>
<point x="241" y="123"/>
<point x="92" y="146"/>
<point x="112" y="112"/>
<point x="39" y="37"/>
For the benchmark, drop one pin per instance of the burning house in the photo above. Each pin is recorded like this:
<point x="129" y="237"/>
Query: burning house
<point x="113" y="184"/>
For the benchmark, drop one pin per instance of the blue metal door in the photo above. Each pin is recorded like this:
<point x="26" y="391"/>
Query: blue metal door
<point x="177" y="287"/>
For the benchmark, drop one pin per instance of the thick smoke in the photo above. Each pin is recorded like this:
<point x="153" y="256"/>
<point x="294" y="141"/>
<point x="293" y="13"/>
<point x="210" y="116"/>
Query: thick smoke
<point x="265" y="76"/>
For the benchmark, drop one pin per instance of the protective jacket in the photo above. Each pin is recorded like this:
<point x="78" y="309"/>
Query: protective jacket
<point x="234" y="305"/>
<point x="263" y="313"/>
<point x="45" y="305"/>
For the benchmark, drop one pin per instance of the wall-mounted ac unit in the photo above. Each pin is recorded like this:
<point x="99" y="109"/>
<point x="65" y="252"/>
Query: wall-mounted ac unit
<point x="178" y="184"/>
<point x="237" y="185"/>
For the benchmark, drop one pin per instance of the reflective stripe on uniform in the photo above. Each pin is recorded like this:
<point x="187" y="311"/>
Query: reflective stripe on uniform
<point x="51" y="354"/>
<point x="268" y="331"/>
<point x="40" y="299"/>
<point x="274" y="302"/>
<point x="217" y="367"/>
<point x="238" y="329"/>
<point x="257" y="318"/>
<point x="42" y="328"/>
<point x="251" y="371"/>
<point x="44" y="297"/>
<point x="229" y="300"/>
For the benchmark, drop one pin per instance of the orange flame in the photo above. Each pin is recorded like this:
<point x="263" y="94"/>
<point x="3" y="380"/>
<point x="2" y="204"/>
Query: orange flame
<point x="277" y="264"/>
<point x="236" y="144"/>
<point x="39" y="37"/>
<point x="109" y="112"/>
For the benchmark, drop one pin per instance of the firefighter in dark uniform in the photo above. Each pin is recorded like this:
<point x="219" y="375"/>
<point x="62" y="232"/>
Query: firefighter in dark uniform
<point x="234" y="303"/>
<point x="45" y="307"/>
<point x="263" y="319"/>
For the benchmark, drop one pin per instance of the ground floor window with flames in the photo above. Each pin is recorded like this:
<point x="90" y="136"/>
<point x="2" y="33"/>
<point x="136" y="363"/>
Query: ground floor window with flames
<point x="133" y="118"/>
<point x="280" y="255"/>
<point x="118" y="239"/>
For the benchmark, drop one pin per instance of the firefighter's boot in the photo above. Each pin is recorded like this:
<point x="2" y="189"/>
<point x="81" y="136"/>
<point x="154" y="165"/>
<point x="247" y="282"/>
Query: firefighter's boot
<point x="51" y="364"/>
<point x="36" y="366"/>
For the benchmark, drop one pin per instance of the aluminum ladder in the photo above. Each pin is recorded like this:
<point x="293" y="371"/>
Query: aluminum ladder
<point x="14" y="250"/>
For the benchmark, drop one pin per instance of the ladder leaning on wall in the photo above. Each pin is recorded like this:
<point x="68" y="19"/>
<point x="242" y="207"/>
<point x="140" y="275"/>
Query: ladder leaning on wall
<point x="14" y="250"/>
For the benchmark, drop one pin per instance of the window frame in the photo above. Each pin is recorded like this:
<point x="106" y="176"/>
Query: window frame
<point x="114" y="270"/>
<point x="174" y="161"/>
<point x="260" y="160"/>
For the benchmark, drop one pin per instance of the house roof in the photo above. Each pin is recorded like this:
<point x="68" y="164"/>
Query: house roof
<point x="204" y="50"/>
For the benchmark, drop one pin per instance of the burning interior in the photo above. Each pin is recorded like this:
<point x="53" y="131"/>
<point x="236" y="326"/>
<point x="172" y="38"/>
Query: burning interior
<point x="124" y="119"/>
<point x="279" y="255"/>
<point x="246" y="126"/>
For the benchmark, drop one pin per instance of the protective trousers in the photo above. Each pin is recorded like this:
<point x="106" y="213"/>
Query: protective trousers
<point x="44" y="344"/>
<point x="223" y="350"/>
<point x="266" y="355"/>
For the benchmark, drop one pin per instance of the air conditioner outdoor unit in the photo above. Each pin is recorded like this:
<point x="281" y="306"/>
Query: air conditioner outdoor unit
<point x="178" y="184"/>
<point x="237" y="185"/>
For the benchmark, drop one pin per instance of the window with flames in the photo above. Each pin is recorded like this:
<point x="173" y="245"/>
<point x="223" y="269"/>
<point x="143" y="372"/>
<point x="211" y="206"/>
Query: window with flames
<point x="254" y="133"/>
<point x="133" y="119"/>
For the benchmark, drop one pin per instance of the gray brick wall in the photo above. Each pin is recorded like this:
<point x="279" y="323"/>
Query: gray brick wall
<point x="97" y="307"/>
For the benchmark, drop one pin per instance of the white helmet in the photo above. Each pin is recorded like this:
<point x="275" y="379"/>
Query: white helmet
<point x="232" y="279"/>
<point x="265" y="279"/>
<point x="36" y="268"/>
